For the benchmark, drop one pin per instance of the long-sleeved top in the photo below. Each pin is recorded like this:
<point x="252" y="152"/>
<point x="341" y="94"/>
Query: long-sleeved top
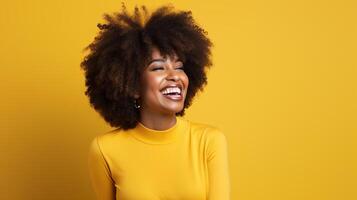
<point x="188" y="161"/>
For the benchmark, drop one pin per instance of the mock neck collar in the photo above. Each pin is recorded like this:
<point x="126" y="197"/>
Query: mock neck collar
<point x="152" y="136"/>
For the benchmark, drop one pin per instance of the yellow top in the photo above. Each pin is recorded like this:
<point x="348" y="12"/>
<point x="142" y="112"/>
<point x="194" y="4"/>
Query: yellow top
<point x="186" y="161"/>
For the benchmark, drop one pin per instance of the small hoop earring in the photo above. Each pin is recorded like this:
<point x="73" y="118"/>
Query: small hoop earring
<point x="136" y="105"/>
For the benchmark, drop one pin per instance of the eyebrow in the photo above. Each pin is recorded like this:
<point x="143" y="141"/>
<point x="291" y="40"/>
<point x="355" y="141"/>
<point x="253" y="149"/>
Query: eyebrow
<point x="155" y="60"/>
<point x="162" y="60"/>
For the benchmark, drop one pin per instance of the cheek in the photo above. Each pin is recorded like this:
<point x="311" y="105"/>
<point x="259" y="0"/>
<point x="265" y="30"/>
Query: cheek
<point x="185" y="80"/>
<point x="151" y="84"/>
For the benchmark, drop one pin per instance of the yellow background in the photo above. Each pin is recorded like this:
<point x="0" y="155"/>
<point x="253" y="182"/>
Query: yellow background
<point x="283" y="89"/>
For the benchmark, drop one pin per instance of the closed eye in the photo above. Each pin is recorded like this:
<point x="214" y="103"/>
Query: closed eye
<point x="182" y="68"/>
<point x="157" y="68"/>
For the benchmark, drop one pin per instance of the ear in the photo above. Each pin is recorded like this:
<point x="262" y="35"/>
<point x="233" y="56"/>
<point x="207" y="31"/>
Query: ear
<point x="136" y="94"/>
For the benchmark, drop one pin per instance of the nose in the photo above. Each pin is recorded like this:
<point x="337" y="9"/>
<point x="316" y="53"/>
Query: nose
<point x="172" y="75"/>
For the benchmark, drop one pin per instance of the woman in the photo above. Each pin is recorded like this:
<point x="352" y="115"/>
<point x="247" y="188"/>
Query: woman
<point x="142" y="72"/>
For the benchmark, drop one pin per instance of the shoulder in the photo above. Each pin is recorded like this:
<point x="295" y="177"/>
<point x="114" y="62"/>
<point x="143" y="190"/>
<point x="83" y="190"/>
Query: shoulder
<point x="207" y="131"/>
<point x="110" y="140"/>
<point x="211" y="137"/>
<point x="114" y="135"/>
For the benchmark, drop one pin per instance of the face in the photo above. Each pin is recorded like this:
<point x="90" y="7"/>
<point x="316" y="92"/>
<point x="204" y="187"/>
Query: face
<point x="164" y="84"/>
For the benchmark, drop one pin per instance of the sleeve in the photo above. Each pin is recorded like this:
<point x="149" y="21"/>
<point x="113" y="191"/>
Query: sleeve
<point x="218" y="169"/>
<point x="99" y="173"/>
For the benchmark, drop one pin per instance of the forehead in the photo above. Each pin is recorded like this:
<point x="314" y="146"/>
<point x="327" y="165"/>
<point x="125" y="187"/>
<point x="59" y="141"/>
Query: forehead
<point x="155" y="54"/>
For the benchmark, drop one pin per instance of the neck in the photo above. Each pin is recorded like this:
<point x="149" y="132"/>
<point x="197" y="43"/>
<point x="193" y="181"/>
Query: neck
<point x="157" y="121"/>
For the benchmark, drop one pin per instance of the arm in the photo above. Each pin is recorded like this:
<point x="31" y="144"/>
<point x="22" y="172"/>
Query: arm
<point x="99" y="172"/>
<point x="218" y="170"/>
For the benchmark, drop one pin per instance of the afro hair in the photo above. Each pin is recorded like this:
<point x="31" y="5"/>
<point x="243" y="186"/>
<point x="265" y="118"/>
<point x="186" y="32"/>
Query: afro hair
<point x="122" y="49"/>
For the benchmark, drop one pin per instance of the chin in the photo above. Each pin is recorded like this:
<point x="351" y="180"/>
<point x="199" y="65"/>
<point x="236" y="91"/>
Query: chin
<point x="173" y="110"/>
<point x="171" y="107"/>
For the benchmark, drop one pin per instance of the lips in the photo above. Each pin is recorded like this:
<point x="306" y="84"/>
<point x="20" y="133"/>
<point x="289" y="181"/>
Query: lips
<point x="173" y="96"/>
<point x="173" y="85"/>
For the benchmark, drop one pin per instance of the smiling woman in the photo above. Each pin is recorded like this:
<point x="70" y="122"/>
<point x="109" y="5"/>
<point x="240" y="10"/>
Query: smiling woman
<point x="142" y="72"/>
<point x="164" y="88"/>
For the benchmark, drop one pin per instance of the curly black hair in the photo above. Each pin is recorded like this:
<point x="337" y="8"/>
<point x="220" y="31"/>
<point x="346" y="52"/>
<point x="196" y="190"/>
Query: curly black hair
<point x="122" y="49"/>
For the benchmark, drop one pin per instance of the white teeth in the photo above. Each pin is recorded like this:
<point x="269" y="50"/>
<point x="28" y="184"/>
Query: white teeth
<point x="171" y="89"/>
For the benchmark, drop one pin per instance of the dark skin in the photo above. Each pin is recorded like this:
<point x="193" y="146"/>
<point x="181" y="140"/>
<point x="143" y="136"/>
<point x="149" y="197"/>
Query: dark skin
<point x="157" y="111"/>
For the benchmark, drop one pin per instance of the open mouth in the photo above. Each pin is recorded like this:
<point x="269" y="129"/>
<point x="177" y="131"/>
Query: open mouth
<point x="172" y="93"/>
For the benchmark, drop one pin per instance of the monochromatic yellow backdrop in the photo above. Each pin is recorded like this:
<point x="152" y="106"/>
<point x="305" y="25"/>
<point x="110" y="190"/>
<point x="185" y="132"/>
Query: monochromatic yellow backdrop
<point x="283" y="89"/>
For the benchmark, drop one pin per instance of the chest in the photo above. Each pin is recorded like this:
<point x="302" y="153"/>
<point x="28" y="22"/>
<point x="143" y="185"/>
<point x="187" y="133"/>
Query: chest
<point x="160" y="173"/>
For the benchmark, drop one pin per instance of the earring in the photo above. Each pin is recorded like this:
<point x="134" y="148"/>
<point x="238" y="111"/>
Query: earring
<point x="136" y="105"/>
